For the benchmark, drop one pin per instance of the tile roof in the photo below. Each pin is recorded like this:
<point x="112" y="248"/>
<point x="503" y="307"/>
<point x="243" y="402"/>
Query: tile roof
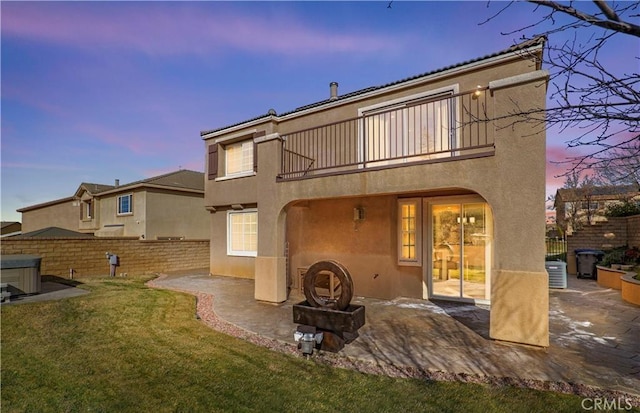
<point x="183" y="178"/>
<point x="54" y="232"/>
<point x="604" y="192"/>
<point x="96" y="188"/>
<point x="540" y="40"/>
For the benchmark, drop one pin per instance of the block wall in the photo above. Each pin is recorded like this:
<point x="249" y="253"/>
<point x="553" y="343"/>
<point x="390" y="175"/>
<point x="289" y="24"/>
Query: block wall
<point x="86" y="257"/>
<point x="633" y="229"/>
<point x="625" y="231"/>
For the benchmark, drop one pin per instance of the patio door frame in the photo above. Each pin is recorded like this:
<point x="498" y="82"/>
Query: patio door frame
<point x="428" y="247"/>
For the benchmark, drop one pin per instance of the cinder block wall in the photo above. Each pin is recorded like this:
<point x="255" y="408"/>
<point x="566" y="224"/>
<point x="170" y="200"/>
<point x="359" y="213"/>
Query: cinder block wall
<point x="633" y="229"/>
<point x="625" y="230"/>
<point x="86" y="257"/>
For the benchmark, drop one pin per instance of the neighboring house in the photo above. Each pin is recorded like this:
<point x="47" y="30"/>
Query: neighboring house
<point x="61" y="213"/>
<point x="11" y="228"/>
<point x="168" y="206"/>
<point x="414" y="186"/>
<point x="580" y="206"/>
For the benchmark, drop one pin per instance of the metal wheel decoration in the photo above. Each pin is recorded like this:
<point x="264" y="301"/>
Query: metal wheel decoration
<point x="327" y="284"/>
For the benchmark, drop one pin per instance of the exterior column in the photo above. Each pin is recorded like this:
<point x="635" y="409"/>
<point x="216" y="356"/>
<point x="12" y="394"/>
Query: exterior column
<point x="270" y="264"/>
<point x="520" y="284"/>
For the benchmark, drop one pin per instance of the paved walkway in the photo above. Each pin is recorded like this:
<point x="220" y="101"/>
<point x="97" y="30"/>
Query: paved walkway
<point x="594" y="334"/>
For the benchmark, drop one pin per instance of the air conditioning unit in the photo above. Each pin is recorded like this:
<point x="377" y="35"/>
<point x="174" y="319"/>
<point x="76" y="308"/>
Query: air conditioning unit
<point x="557" y="271"/>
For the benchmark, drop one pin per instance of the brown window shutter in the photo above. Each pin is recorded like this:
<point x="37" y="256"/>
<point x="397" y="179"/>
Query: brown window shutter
<point x="213" y="161"/>
<point x="255" y="157"/>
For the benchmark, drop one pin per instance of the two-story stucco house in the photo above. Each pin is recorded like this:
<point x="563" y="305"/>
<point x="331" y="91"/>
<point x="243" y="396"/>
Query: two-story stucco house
<point x="429" y="187"/>
<point x="165" y="206"/>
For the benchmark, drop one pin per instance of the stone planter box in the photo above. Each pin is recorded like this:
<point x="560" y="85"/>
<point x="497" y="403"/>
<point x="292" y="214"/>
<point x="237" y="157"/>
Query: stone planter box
<point x="609" y="277"/>
<point x="630" y="288"/>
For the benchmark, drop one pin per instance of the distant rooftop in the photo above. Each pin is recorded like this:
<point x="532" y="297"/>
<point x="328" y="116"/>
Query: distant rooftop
<point x="182" y="179"/>
<point x="54" y="232"/>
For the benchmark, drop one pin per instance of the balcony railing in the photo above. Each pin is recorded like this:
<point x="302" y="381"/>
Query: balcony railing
<point x="419" y="131"/>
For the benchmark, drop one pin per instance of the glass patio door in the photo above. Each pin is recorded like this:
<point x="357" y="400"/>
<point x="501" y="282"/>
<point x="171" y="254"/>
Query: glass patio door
<point x="460" y="250"/>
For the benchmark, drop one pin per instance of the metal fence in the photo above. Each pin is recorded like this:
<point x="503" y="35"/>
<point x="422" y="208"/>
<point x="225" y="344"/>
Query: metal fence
<point x="425" y="130"/>
<point x="556" y="249"/>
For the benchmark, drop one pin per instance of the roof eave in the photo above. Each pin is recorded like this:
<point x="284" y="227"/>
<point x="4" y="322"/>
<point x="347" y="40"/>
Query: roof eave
<point x="535" y="47"/>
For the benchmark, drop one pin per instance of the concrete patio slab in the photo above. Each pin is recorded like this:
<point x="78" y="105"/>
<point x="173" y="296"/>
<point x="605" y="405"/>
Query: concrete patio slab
<point x="594" y="334"/>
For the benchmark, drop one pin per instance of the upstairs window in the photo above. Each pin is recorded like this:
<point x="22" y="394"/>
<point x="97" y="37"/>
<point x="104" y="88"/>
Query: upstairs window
<point x="239" y="158"/>
<point x="125" y="206"/>
<point x="87" y="210"/>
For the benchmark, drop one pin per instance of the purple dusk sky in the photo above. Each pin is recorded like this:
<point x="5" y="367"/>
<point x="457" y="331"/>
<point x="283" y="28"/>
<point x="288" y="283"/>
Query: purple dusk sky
<point x="97" y="91"/>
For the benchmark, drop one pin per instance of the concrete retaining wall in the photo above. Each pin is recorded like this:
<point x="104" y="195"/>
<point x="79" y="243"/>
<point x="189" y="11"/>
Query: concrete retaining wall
<point x="86" y="257"/>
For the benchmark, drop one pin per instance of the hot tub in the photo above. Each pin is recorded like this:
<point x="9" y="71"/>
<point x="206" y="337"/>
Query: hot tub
<point x="21" y="273"/>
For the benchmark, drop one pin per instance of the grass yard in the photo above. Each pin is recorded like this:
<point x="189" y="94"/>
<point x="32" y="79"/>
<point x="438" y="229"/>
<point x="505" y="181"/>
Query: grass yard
<point x="128" y="348"/>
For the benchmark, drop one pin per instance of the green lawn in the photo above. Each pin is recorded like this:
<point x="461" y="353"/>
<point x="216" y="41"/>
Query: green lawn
<point x="128" y="348"/>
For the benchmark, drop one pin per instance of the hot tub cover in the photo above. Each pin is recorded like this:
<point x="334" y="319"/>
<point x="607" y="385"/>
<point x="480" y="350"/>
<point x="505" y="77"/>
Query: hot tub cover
<point x="19" y="261"/>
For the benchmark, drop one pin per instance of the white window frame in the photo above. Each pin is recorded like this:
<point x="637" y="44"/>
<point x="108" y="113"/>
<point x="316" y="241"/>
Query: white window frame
<point x="415" y="261"/>
<point x="118" y="205"/>
<point x="230" y="250"/>
<point x="245" y="169"/>
<point x="87" y="210"/>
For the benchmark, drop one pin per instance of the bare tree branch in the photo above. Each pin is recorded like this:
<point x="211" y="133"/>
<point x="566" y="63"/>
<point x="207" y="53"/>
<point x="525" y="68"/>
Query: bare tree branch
<point x="587" y="99"/>
<point x="608" y="11"/>
<point x="611" y="24"/>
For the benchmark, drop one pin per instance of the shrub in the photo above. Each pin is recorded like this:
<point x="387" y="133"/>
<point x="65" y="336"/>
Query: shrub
<point x="621" y="255"/>
<point x="623" y="209"/>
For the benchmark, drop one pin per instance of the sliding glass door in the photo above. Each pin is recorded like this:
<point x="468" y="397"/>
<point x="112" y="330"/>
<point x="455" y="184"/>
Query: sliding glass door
<point x="460" y="250"/>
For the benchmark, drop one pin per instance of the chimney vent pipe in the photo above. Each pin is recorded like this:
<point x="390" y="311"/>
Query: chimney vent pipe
<point x="117" y="183"/>
<point x="333" y="89"/>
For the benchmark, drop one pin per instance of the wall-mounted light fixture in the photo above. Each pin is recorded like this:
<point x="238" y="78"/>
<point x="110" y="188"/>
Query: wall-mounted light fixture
<point x="477" y="92"/>
<point x="358" y="214"/>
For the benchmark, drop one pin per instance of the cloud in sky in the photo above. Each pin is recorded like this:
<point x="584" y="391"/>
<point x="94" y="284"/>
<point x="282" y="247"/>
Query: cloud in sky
<point x="93" y="91"/>
<point x="175" y="29"/>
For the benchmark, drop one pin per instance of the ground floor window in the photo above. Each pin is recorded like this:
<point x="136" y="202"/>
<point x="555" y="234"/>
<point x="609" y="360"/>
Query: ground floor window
<point x="409" y="231"/>
<point x="242" y="233"/>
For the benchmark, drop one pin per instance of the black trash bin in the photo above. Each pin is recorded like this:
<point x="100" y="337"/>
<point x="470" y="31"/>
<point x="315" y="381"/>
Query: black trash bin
<point x="586" y="260"/>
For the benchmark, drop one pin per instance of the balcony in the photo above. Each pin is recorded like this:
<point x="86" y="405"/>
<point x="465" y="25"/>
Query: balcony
<point x="436" y="129"/>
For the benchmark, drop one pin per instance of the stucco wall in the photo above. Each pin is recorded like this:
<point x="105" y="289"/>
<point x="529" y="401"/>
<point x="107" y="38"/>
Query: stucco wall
<point x="325" y="229"/>
<point x="172" y="214"/>
<point x="87" y="256"/>
<point x="63" y="215"/>
<point x="133" y="224"/>
<point x="220" y="263"/>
